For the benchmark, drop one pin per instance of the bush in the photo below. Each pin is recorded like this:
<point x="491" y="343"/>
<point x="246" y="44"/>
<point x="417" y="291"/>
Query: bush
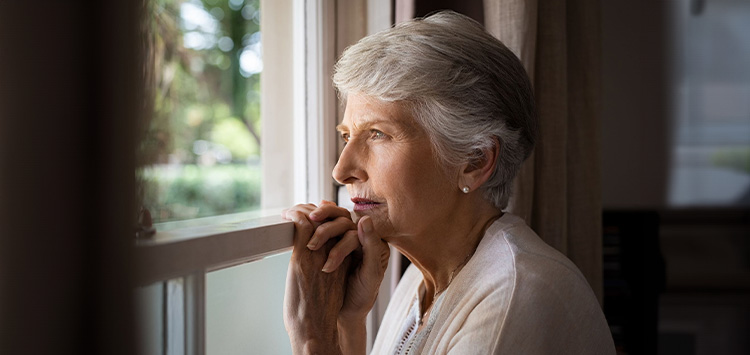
<point x="735" y="159"/>
<point x="192" y="191"/>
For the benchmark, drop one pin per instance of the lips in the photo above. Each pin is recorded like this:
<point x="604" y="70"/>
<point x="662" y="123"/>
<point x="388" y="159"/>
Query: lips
<point x="363" y="204"/>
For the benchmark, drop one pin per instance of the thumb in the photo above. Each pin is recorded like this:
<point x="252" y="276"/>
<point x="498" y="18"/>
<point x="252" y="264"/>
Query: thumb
<point x="373" y="248"/>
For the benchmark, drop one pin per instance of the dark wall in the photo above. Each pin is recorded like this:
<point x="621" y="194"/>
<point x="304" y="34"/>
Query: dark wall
<point x="68" y="107"/>
<point x="635" y="111"/>
<point x="704" y="306"/>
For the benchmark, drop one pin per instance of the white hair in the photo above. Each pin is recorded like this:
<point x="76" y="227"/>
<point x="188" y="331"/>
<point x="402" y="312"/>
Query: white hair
<point x="462" y="85"/>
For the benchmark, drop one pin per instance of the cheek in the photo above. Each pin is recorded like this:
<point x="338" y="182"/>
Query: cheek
<point x="417" y="192"/>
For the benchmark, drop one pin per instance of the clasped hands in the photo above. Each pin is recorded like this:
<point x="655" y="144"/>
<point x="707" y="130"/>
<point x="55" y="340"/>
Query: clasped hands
<point x="334" y="275"/>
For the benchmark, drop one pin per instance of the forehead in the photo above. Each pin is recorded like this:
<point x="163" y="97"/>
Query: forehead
<point x="362" y="111"/>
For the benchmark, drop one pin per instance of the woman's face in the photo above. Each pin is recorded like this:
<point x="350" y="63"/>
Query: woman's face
<point x="390" y="171"/>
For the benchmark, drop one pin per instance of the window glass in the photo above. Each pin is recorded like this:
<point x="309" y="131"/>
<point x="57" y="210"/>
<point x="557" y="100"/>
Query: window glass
<point x="711" y="146"/>
<point x="244" y="308"/>
<point x="200" y="156"/>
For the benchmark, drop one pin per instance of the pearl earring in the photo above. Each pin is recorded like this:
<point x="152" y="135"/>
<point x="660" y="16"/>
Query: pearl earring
<point x="465" y="189"/>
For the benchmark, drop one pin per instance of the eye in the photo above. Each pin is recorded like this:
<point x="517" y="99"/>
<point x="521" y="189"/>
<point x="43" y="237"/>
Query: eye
<point x="345" y="137"/>
<point x="375" y="134"/>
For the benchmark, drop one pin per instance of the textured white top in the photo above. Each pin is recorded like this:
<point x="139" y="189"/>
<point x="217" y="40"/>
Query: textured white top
<point x="517" y="295"/>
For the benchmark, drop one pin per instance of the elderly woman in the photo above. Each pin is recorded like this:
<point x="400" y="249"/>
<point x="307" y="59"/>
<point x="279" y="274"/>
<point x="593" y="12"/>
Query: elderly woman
<point x="439" y="117"/>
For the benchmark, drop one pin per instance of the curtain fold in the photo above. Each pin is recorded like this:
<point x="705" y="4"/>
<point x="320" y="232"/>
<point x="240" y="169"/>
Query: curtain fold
<point x="558" y="190"/>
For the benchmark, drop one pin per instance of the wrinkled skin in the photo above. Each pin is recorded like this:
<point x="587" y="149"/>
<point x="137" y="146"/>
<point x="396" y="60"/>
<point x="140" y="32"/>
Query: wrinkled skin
<point x="334" y="275"/>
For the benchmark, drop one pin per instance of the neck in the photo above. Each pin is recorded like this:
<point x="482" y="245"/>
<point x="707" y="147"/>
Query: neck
<point x="441" y="252"/>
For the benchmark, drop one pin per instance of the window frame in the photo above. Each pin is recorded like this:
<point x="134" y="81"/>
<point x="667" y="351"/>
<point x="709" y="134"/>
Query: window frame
<point x="215" y="243"/>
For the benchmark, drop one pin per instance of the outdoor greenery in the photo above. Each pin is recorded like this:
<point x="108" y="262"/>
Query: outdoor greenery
<point x="735" y="159"/>
<point x="200" y="151"/>
<point x="182" y="192"/>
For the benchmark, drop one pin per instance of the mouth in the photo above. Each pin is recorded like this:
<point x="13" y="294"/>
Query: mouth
<point x="363" y="204"/>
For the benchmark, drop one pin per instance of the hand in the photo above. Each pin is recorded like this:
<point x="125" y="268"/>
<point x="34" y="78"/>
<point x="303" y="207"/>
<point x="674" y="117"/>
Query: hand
<point x="329" y="221"/>
<point x="370" y="255"/>
<point x="313" y="299"/>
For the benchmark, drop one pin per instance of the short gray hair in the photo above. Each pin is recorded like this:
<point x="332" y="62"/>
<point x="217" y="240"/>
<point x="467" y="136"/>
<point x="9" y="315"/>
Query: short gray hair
<point x="462" y="85"/>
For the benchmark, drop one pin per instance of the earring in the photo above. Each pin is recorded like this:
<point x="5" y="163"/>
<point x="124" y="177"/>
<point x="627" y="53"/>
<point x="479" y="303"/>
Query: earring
<point x="465" y="189"/>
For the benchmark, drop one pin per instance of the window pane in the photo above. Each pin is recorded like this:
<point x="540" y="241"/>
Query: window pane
<point x="200" y="156"/>
<point x="149" y="315"/>
<point x="244" y="308"/>
<point x="711" y="151"/>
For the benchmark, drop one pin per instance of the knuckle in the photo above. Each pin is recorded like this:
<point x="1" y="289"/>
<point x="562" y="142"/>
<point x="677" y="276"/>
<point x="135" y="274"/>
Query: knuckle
<point x="346" y="221"/>
<point x="322" y="232"/>
<point x="343" y="212"/>
<point x="301" y="223"/>
<point x="352" y="235"/>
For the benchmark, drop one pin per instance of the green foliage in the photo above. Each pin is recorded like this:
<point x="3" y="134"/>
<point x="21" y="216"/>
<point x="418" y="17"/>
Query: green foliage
<point x="196" y="81"/>
<point x="231" y="133"/>
<point x="192" y="191"/>
<point x="735" y="159"/>
<point x="206" y="109"/>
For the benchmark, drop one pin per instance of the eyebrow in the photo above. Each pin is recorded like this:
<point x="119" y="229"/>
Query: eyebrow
<point x="368" y="123"/>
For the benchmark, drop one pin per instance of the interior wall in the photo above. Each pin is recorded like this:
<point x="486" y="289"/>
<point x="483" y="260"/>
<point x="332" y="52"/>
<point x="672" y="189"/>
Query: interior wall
<point x="635" y="111"/>
<point x="69" y="103"/>
<point x="471" y="8"/>
<point x="703" y="306"/>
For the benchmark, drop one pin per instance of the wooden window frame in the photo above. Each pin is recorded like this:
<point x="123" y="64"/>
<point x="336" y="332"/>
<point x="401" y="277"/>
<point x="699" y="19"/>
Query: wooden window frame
<point x="214" y="243"/>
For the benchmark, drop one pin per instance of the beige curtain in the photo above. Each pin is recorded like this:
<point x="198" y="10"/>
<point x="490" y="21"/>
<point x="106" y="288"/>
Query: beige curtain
<point x="558" y="191"/>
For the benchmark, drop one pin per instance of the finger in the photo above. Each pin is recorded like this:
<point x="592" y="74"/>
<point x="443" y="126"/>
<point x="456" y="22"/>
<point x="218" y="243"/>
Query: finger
<point x="328" y="230"/>
<point x="303" y="229"/>
<point x="326" y="202"/>
<point x="329" y="211"/>
<point x="348" y="243"/>
<point x="305" y="208"/>
<point x="375" y="251"/>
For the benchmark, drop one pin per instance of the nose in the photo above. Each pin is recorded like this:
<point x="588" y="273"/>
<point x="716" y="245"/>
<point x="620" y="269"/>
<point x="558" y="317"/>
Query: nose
<point x="349" y="168"/>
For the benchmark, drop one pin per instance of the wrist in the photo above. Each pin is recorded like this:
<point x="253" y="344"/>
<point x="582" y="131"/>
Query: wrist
<point x="351" y="322"/>
<point x="312" y="340"/>
<point x="318" y="347"/>
<point x="352" y="318"/>
<point x="353" y="336"/>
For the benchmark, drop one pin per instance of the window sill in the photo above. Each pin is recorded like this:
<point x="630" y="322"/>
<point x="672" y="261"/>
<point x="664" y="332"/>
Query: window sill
<point x="209" y="245"/>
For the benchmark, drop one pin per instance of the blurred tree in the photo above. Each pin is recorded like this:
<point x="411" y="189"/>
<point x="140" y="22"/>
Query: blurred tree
<point x="202" y="69"/>
<point x="197" y="50"/>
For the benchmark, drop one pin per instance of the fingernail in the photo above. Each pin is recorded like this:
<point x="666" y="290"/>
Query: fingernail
<point x="327" y="266"/>
<point x="314" y="215"/>
<point x="367" y="225"/>
<point x="312" y="244"/>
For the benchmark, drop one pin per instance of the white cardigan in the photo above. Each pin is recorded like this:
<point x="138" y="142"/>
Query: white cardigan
<point x="517" y="295"/>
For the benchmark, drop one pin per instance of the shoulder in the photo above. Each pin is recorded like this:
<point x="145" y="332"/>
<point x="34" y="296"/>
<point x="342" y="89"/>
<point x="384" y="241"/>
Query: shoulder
<point x="511" y="258"/>
<point x="524" y="295"/>
<point x="543" y="278"/>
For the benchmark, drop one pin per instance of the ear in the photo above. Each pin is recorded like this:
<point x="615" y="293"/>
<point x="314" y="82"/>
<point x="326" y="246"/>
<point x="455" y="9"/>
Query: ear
<point x="479" y="168"/>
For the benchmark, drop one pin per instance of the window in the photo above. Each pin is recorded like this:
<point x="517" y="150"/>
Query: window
<point x="204" y="164"/>
<point x="209" y="285"/>
<point x="201" y="155"/>
<point x="711" y="97"/>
